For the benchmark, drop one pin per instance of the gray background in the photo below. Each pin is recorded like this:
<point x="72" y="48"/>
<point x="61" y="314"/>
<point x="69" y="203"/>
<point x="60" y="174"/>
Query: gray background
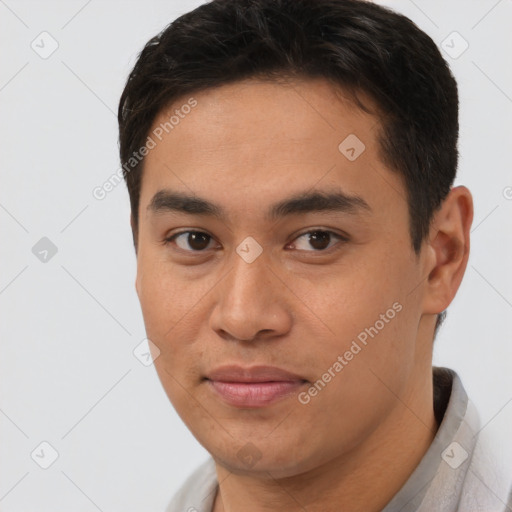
<point x="70" y="323"/>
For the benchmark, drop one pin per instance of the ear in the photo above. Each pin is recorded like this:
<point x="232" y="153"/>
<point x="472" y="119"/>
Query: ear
<point x="448" y="249"/>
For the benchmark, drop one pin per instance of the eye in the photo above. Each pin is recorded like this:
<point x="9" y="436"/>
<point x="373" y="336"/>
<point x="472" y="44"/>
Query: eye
<point x="190" y="241"/>
<point x="319" y="239"/>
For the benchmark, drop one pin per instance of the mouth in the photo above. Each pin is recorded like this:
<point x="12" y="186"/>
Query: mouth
<point x="253" y="387"/>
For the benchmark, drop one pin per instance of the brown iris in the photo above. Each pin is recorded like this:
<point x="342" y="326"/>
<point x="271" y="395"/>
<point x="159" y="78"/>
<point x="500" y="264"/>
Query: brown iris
<point x="319" y="239"/>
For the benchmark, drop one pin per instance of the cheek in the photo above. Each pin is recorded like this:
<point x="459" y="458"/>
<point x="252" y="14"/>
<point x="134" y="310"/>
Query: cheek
<point x="165" y="297"/>
<point x="164" y="311"/>
<point x="174" y="311"/>
<point x="356" y="382"/>
<point x="170" y="316"/>
<point x="368" y="319"/>
<point x="158" y="307"/>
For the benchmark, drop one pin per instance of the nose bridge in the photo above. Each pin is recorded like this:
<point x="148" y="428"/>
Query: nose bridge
<point x="249" y="300"/>
<point x="248" y="282"/>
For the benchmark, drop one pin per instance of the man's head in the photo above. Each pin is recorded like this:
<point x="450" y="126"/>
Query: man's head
<point x="356" y="45"/>
<point x="310" y="148"/>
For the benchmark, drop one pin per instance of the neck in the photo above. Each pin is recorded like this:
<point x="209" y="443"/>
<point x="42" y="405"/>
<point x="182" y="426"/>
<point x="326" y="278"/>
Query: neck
<point x="365" y="479"/>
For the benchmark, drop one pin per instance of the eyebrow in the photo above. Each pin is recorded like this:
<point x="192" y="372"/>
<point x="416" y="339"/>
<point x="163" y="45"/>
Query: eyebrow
<point x="315" y="201"/>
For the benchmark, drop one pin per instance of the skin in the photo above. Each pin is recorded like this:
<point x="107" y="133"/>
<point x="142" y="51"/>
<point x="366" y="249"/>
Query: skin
<point x="244" y="147"/>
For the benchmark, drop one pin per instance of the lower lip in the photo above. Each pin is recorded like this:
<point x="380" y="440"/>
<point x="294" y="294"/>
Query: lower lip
<point x="254" y="394"/>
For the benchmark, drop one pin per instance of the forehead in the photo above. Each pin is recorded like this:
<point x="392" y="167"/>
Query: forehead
<point x="252" y="141"/>
<point x="248" y="117"/>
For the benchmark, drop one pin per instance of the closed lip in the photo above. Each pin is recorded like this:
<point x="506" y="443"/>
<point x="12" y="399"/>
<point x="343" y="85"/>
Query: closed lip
<point x="253" y="387"/>
<point x="253" y="374"/>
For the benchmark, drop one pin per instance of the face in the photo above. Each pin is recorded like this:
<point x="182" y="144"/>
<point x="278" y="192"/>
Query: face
<point x="276" y="274"/>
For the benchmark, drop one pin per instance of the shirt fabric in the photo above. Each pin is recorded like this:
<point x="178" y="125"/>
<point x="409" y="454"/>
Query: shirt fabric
<point x="458" y="473"/>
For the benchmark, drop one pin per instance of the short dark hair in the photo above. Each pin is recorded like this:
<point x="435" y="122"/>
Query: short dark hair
<point x="356" y="45"/>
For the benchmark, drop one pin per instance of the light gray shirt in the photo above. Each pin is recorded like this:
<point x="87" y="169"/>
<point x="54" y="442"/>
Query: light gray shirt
<point x="458" y="473"/>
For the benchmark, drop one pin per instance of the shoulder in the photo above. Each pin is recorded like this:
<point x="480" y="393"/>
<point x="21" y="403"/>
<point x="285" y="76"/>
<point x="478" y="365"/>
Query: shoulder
<point x="486" y="484"/>
<point x="462" y="467"/>
<point x="197" y="492"/>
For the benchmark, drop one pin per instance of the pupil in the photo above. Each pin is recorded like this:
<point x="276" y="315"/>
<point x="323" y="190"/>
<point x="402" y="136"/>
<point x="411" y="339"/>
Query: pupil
<point x="319" y="239"/>
<point x="198" y="241"/>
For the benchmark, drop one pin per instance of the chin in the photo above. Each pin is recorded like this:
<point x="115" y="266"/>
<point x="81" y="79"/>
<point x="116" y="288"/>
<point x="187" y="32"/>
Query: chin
<point x="261" y="456"/>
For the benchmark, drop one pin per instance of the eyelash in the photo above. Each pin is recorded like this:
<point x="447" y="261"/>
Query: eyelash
<point x="341" y="240"/>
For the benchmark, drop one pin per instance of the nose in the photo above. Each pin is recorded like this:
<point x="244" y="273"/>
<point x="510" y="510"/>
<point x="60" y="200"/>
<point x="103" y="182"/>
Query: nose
<point x="251" y="303"/>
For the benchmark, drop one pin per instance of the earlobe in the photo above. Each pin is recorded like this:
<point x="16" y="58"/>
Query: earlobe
<point x="449" y="244"/>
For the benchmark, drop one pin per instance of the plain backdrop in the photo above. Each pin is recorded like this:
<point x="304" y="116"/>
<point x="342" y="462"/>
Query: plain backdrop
<point x="70" y="315"/>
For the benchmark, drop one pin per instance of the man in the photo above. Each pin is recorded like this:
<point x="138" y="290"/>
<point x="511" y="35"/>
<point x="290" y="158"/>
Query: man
<point x="290" y="167"/>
